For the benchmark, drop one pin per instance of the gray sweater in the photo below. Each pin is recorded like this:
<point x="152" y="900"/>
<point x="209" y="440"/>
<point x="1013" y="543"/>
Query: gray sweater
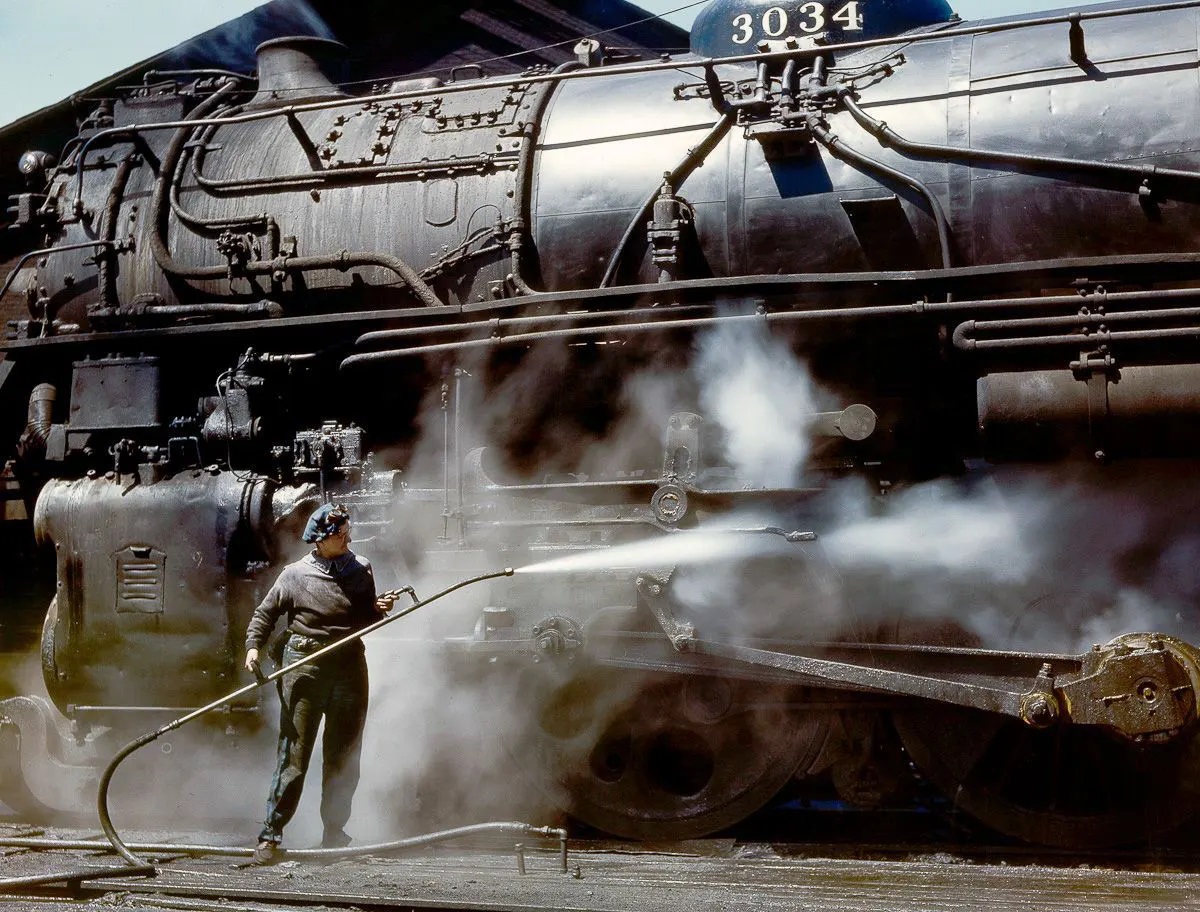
<point x="325" y="599"/>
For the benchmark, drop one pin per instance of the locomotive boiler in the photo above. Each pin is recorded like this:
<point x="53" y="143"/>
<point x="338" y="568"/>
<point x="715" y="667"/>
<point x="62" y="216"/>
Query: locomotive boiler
<point x="698" y="332"/>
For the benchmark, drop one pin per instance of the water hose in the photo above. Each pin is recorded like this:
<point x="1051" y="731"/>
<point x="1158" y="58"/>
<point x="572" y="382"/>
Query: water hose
<point x="144" y="868"/>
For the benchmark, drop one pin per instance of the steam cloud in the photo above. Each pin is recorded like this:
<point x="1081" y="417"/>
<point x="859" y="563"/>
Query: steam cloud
<point x="763" y="400"/>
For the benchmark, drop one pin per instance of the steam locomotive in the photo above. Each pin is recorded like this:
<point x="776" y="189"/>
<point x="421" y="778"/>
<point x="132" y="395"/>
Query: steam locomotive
<point x="701" y="332"/>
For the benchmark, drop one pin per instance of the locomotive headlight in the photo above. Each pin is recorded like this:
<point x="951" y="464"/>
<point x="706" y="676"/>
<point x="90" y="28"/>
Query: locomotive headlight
<point x="34" y="164"/>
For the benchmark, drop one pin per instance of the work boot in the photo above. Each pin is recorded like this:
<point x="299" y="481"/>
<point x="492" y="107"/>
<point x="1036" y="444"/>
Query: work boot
<point x="335" y="839"/>
<point x="266" y="853"/>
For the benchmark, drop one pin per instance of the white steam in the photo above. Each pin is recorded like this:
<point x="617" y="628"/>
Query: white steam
<point x="762" y="398"/>
<point x="936" y="528"/>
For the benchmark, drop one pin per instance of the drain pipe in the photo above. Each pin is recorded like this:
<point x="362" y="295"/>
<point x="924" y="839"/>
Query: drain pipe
<point x="32" y="444"/>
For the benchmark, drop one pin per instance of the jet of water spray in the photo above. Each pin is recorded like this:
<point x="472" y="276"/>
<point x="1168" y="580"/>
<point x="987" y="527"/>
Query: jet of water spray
<point x="675" y="548"/>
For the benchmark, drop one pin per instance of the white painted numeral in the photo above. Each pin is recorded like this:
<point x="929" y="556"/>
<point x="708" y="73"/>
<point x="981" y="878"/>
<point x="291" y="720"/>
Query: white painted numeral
<point x="812" y="19"/>
<point x="849" y="17"/>
<point x="815" y="17"/>
<point x="743" y="24"/>
<point x="775" y="21"/>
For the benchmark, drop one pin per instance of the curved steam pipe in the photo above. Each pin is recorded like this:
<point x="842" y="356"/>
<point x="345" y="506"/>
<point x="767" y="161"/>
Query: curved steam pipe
<point x="831" y="142"/>
<point x="690" y="163"/>
<point x="889" y="138"/>
<point x="102" y="791"/>
<point x="32" y="443"/>
<point x="61" y="248"/>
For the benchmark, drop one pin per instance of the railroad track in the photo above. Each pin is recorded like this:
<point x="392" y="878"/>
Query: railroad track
<point x="486" y="874"/>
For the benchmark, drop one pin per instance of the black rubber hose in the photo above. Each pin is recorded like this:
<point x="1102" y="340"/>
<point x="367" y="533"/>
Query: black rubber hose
<point x="378" y="848"/>
<point x="102" y="791"/>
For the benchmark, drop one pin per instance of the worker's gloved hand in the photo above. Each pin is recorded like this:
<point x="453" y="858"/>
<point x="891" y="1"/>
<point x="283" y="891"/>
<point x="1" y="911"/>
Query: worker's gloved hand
<point x="385" y="601"/>
<point x="254" y="666"/>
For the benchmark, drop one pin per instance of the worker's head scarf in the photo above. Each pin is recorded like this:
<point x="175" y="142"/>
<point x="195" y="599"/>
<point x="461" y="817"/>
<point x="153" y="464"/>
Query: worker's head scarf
<point x="326" y="520"/>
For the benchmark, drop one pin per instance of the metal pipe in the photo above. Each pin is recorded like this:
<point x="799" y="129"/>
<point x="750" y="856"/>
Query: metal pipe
<point x="259" y="308"/>
<point x="112" y="209"/>
<point x="102" y="789"/>
<point x="208" y="71"/>
<point x="691" y="161"/>
<point x="459" y="373"/>
<point x="963" y="342"/>
<point x="166" y="176"/>
<point x="788" y="84"/>
<point x="480" y="163"/>
<point x="525" y="178"/>
<point x="61" y="248"/>
<point x="889" y="137"/>
<point x="32" y="443"/>
<point x="830" y="140"/>
<point x="445" y="461"/>
<point x="916" y="309"/>
<point x="134" y="133"/>
<point x="964" y="332"/>
<point x="496" y="324"/>
<point x="340" y="261"/>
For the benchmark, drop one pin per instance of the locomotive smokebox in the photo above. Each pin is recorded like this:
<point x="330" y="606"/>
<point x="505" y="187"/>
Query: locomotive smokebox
<point x="298" y="68"/>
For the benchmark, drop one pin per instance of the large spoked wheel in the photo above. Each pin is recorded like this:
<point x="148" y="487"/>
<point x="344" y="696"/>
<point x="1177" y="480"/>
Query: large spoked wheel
<point x="1067" y="786"/>
<point x="663" y="757"/>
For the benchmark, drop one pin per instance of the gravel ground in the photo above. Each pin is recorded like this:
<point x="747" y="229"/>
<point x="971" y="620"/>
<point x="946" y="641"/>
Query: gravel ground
<point x="709" y="874"/>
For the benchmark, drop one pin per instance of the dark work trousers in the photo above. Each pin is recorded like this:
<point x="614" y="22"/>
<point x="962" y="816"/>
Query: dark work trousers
<point x="334" y="688"/>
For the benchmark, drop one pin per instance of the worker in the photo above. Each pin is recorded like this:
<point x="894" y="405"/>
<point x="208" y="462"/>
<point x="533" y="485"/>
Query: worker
<point x="325" y="596"/>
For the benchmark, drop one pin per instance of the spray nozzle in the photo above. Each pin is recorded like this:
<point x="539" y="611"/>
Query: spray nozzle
<point x="796" y="536"/>
<point x="403" y="590"/>
<point x="801" y="536"/>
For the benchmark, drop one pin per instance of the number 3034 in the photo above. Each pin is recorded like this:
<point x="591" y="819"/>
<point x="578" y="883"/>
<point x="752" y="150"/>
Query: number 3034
<point x="811" y="18"/>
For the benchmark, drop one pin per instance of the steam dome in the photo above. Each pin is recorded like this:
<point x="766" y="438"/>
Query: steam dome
<point x="728" y="27"/>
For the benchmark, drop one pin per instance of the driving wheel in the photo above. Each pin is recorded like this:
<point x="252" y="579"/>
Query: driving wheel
<point x="663" y="757"/>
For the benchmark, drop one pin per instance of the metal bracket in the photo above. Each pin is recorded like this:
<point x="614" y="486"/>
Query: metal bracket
<point x="556" y="636"/>
<point x="653" y="591"/>
<point x="1040" y="706"/>
<point x="1097" y="369"/>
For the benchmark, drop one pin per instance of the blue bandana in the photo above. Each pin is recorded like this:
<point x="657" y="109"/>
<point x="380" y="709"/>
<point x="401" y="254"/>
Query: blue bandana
<point x="325" y="521"/>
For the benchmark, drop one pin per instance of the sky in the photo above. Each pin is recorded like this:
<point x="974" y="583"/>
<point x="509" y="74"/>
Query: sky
<point x="55" y="47"/>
